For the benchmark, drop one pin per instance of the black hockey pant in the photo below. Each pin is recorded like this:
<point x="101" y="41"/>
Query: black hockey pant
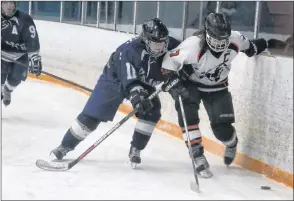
<point x="219" y="107"/>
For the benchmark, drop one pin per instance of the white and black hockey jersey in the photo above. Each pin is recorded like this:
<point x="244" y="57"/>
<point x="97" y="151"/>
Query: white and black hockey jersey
<point x="209" y="72"/>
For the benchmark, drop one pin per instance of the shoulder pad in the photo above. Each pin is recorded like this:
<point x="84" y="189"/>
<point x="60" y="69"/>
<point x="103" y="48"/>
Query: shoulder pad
<point x="173" y="43"/>
<point x="24" y="15"/>
<point x="237" y="36"/>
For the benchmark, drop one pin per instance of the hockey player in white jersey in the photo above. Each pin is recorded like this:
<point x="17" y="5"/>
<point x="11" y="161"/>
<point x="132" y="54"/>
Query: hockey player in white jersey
<point x="202" y="62"/>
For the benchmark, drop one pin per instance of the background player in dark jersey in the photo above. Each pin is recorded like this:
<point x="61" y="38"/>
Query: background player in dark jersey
<point x="19" y="41"/>
<point x="132" y="72"/>
<point x="203" y="62"/>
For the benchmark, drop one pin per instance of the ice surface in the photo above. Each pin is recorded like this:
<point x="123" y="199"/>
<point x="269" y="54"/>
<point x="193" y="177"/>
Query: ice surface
<point x="35" y="123"/>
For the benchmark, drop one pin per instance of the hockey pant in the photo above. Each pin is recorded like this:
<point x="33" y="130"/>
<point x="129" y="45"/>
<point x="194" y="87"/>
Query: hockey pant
<point x="102" y="106"/>
<point x="12" y="74"/>
<point x="220" y="111"/>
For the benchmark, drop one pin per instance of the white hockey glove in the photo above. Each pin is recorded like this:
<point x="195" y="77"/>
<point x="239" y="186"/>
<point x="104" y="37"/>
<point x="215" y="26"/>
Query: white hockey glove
<point x="35" y="64"/>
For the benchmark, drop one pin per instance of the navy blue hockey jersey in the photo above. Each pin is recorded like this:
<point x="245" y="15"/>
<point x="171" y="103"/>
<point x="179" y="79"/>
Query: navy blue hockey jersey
<point x="19" y="35"/>
<point x="131" y="64"/>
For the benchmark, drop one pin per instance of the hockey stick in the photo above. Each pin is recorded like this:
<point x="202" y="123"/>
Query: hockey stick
<point x="57" y="166"/>
<point x="49" y="74"/>
<point x="194" y="186"/>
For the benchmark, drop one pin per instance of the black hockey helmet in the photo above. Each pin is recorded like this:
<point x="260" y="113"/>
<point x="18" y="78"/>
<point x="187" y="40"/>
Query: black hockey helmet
<point x="217" y="31"/>
<point x="155" y="36"/>
<point x="8" y="8"/>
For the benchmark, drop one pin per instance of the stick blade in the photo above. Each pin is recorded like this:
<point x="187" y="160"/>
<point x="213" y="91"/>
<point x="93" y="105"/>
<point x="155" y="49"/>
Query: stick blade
<point x="52" y="166"/>
<point x="194" y="187"/>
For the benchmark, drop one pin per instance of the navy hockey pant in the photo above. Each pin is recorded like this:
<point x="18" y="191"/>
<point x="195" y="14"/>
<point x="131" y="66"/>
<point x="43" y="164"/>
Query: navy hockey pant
<point x="104" y="100"/>
<point x="12" y="73"/>
<point x="102" y="107"/>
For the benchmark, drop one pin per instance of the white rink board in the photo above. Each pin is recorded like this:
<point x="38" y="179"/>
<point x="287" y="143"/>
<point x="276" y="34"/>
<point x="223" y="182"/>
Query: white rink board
<point x="262" y="87"/>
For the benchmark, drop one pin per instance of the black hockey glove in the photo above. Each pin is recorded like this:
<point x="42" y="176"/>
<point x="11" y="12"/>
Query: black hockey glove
<point x="276" y="44"/>
<point x="35" y="64"/>
<point x="139" y="100"/>
<point x="174" y="85"/>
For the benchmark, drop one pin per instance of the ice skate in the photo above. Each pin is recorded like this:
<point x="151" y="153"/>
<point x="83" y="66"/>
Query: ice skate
<point x="134" y="156"/>
<point x="202" y="166"/>
<point x="6" y="96"/>
<point x="230" y="154"/>
<point x="60" y="152"/>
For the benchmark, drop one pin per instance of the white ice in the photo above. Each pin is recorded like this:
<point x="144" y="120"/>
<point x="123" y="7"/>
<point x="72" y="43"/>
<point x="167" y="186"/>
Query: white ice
<point x="35" y="123"/>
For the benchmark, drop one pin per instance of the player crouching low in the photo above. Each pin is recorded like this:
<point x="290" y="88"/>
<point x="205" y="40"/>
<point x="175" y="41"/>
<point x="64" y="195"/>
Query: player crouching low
<point x="132" y="72"/>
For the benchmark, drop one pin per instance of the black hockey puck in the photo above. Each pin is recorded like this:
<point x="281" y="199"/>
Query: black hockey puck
<point x="265" y="187"/>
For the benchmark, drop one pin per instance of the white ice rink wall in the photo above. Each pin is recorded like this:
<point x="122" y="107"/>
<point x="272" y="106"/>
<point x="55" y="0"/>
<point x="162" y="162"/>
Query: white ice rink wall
<point x="262" y="88"/>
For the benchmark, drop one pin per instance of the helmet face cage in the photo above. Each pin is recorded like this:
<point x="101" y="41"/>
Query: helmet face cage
<point x="155" y="36"/>
<point x="215" y="44"/>
<point x="156" y="48"/>
<point x="8" y="8"/>
<point x="217" y="32"/>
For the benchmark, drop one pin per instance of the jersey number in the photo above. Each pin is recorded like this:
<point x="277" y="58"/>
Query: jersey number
<point x="131" y="72"/>
<point x="32" y="30"/>
<point x="176" y="53"/>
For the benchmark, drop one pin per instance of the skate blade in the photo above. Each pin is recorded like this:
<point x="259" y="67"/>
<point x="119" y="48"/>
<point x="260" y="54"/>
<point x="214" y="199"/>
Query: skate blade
<point x="194" y="187"/>
<point x="205" y="174"/>
<point x="134" y="165"/>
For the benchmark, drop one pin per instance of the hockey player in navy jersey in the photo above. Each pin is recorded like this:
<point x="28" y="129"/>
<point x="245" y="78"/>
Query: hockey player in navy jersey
<point x="132" y="72"/>
<point x="19" y="41"/>
<point x="202" y="62"/>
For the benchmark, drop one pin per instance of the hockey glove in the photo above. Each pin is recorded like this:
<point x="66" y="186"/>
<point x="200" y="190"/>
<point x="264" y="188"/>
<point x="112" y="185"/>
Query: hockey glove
<point x="276" y="44"/>
<point x="35" y="64"/>
<point x="139" y="100"/>
<point x="174" y="85"/>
